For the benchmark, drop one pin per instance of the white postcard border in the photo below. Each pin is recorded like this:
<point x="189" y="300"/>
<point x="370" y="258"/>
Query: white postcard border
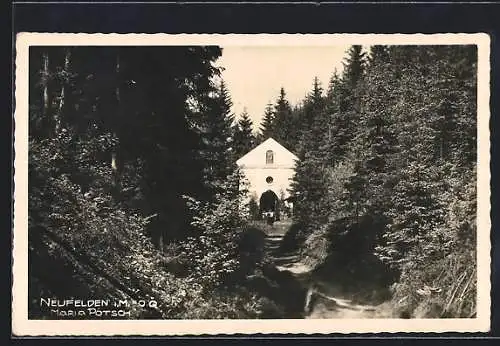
<point x="21" y="326"/>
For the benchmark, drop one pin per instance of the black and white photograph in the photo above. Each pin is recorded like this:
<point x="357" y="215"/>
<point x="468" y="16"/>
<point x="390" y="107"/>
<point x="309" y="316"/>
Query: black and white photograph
<point x="251" y="184"/>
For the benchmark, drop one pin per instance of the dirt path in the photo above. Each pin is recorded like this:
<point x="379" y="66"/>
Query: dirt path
<point x="283" y="261"/>
<point x="326" y="302"/>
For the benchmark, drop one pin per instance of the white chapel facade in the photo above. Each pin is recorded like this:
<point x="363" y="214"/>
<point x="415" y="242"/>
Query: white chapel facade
<point x="269" y="166"/>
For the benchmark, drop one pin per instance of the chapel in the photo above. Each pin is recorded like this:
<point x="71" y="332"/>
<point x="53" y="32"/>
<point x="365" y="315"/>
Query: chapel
<point x="269" y="169"/>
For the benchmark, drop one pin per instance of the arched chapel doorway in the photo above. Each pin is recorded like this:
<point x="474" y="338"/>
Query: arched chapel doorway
<point x="269" y="201"/>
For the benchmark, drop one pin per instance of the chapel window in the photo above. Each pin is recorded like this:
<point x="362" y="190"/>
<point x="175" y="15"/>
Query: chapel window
<point x="269" y="157"/>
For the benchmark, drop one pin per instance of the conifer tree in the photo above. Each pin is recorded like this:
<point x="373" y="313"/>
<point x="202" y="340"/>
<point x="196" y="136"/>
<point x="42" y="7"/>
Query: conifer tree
<point x="333" y="86"/>
<point x="217" y="146"/>
<point x="283" y="127"/>
<point x="267" y="128"/>
<point x="344" y="104"/>
<point x="330" y="145"/>
<point x="315" y="120"/>
<point x="374" y="142"/>
<point x="244" y="139"/>
<point x="379" y="54"/>
<point x="309" y="183"/>
<point x="354" y="66"/>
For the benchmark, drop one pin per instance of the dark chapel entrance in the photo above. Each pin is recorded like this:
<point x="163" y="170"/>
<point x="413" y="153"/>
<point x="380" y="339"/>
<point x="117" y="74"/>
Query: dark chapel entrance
<point x="269" y="202"/>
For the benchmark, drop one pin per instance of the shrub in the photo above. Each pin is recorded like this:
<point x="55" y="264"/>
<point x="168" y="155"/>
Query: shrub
<point x="253" y="208"/>
<point x="218" y="227"/>
<point x="251" y="249"/>
<point x="84" y="244"/>
<point x="293" y="238"/>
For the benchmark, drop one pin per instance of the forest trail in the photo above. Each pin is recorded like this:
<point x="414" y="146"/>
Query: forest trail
<point x="328" y="301"/>
<point x="283" y="261"/>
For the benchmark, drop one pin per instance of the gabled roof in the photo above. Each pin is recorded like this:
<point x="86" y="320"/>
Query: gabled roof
<point x="284" y="155"/>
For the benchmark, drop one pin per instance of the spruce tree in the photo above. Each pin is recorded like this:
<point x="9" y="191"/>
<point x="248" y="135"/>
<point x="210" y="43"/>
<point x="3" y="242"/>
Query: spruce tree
<point x="314" y="118"/>
<point x="378" y="54"/>
<point x="217" y="148"/>
<point x="333" y="86"/>
<point x="309" y="183"/>
<point x="267" y="127"/>
<point x="354" y="66"/>
<point x="244" y="139"/>
<point x="344" y="104"/>
<point x="283" y="127"/>
<point x="374" y="142"/>
<point x="330" y="144"/>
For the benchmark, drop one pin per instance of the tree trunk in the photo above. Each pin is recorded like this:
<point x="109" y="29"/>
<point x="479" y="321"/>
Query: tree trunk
<point x="114" y="154"/>
<point x="441" y="149"/>
<point x="59" y="114"/>
<point x="46" y="98"/>
<point x="161" y="243"/>
<point x="117" y="70"/>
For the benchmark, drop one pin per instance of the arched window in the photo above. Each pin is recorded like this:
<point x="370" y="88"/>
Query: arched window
<point x="269" y="157"/>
